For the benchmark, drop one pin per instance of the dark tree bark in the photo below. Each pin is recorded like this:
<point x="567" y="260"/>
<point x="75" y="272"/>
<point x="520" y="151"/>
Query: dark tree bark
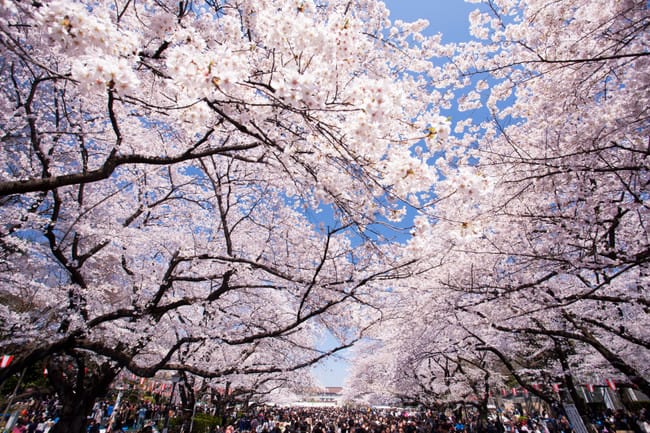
<point x="79" y="385"/>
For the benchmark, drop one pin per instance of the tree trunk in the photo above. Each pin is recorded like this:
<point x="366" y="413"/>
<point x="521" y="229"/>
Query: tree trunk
<point x="188" y="400"/>
<point x="73" y="417"/>
<point x="482" y="422"/>
<point x="78" y="384"/>
<point x="221" y="400"/>
<point x="570" y="385"/>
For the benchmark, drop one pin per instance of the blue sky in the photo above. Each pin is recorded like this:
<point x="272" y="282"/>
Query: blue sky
<point x="448" y="17"/>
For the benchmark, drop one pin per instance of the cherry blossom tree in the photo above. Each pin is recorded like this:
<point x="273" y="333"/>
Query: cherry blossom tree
<point x="430" y="360"/>
<point x="162" y="169"/>
<point x="540" y="246"/>
<point x="553" y="220"/>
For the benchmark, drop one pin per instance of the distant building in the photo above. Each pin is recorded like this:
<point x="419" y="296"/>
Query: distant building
<point x="329" y="396"/>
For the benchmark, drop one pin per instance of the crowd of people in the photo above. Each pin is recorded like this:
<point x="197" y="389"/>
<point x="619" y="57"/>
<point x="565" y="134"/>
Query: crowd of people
<point x="347" y="420"/>
<point x="144" y="416"/>
<point x="36" y="416"/>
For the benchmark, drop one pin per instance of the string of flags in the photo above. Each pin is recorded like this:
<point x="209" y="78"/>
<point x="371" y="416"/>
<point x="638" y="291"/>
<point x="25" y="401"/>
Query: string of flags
<point x="151" y="385"/>
<point x="609" y="383"/>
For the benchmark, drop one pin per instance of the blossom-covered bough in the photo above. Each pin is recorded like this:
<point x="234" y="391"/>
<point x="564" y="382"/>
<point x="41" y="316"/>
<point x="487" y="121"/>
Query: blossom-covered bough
<point x="569" y="158"/>
<point x="541" y="248"/>
<point x="161" y="165"/>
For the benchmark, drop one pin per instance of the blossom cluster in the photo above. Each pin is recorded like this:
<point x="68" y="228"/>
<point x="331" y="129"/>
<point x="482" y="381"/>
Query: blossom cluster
<point x="101" y="53"/>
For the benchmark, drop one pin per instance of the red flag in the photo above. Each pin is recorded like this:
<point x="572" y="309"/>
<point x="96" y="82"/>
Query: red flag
<point x="504" y="392"/>
<point x="6" y="360"/>
<point x="556" y="387"/>
<point x="611" y="384"/>
<point x="590" y="387"/>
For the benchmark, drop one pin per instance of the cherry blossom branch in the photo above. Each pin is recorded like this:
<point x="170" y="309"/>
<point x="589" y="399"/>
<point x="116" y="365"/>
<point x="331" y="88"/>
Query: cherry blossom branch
<point x="542" y="60"/>
<point x="236" y="369"/>
<point x="515" y="373"/>
<point x="113" y="161"/>
<point x="586" y="337"/>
